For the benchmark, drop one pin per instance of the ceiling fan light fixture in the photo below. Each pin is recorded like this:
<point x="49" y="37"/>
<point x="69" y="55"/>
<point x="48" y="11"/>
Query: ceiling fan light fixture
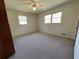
<point x="34" y="8"/>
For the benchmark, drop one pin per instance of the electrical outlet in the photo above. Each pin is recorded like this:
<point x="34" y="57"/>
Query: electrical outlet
<point x="63" y="34"/>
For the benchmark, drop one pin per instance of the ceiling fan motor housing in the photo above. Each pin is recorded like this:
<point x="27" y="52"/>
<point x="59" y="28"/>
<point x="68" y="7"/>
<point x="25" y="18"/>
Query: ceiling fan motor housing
<point x="33" y="5"/>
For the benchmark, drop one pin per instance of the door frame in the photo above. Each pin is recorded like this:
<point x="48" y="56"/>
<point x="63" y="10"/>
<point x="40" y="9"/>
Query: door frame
<point x="76" y="30"/>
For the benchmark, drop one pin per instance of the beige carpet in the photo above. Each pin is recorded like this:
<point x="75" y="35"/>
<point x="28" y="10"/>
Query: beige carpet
<point x="42" y="46"/>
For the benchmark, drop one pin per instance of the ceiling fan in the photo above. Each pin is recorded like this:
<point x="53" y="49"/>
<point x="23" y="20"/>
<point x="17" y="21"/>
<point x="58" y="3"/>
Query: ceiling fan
<point x="34" y="5"/>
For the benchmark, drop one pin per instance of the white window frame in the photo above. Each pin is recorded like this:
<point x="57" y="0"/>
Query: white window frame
<point x="22" y="20"/>
<point x="47" y="19"/>
<point x="57" y="17"/>
<point x="53" y="18"/>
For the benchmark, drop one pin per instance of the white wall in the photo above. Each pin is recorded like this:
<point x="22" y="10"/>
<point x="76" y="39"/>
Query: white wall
<point x="69" y="21"/>
<point x="17" y="29"/>
<point x="68" y="26"/>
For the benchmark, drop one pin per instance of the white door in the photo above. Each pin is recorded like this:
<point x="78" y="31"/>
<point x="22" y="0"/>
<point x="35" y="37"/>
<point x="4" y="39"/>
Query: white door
<point x="76" y="48"/>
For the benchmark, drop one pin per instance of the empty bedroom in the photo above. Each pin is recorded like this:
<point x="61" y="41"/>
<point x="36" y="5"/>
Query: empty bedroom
<point x="40" y="29"/>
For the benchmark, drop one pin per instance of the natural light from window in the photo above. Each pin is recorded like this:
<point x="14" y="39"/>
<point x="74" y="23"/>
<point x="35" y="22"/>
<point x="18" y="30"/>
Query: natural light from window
<point x="48" y="19"/>
<point x="56" y="18"/>
<point x="22" y="20"/>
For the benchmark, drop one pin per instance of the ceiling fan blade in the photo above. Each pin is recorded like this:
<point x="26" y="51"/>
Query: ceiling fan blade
<point x="24" y="0"/>
<point x="31" y="3"/>
<point x="39" y="5"/>
<point x="27" y="3"/>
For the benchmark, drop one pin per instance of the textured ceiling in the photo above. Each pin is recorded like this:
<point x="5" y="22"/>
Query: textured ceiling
<point x="21" y="5"/>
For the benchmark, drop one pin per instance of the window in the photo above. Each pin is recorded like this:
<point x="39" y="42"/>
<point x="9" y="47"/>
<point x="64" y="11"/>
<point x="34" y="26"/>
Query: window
<point x="22" y="20"/>
<point x="48" y="18"/>
<point x="53" y="18"/>
<point x="56" y="18"/>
